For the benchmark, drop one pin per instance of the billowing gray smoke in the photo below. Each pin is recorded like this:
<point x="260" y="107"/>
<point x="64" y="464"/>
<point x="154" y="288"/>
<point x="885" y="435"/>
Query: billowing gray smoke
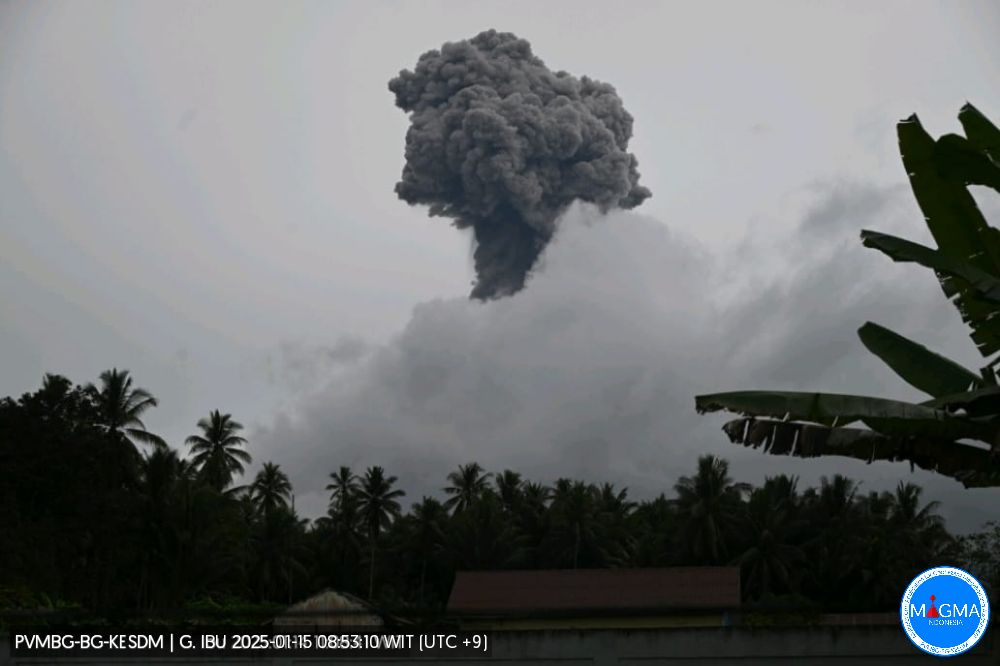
<point x="502" y="144"/>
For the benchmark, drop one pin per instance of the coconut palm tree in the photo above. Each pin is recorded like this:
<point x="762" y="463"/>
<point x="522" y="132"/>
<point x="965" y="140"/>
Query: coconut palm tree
<point x="577" y="536"/>
<point x="55" y="396"/>
<point x="611" y="499"/>
<point x="907" y="514"/>
<point x="619" y="544"/>
<point x="345" y="484"/>
<point x="508" y="488"/>
<point x="916" y="534"/>
<point x="159" y="473"/>
<point x="711" y="510"/>
<point x="654" y="526"/>
<point x="271" y="489"/>
<point x="340" y="534"/>
<point x="466" y="485"/>
<point x="836" y="497"/>
<point x="837" y="541"/>
<point x="536" y="495"/>
<point x="532" y="515"/>
<point x="280" y="549"/>
<point x="119" y="407"/>
<point x="482" y="537"/>
<point x="427" y="529"/>
<point x="773" y="531"/>
<point x="379" y="506"/>
<point x="218" y="451"/>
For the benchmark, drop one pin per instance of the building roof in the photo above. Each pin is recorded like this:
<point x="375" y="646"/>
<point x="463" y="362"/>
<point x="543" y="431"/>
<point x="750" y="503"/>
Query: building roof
<point x="604" y="590"/>
<point x="329" y="608"/>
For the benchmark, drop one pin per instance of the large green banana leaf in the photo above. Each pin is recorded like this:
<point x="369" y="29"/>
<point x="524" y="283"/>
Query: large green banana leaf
<point x="975" y="292"/>
<point x="961" y="161"/>
<point x="980" y="131"/>
<point x="983" y="402"/>
<point x="986" y="286"/>
<point x="955" y="221"/>
<point x="917" y="365"/>
<point x="973" y="466"/>
<point x="939" y="434"/>
<point x="889" y="417"/>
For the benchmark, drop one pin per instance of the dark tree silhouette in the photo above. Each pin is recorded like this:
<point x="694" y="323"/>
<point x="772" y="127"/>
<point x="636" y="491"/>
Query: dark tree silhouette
<point x="345" y="484"/>
<point x="271" y="489"/>
<point x="74" y="530"/>
<point x="774" y="526"/>
<point x="218" y="450"/>
<point x="119" y="406"/>
<point x="711" y="509"/>
<point x="426" y="536"/>
<point x="379" y="506"/>
<point x="508" y="488"/>
<point x="466" y="486"/>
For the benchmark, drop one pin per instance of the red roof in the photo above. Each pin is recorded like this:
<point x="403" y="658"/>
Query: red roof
<point x="676" y="588"/>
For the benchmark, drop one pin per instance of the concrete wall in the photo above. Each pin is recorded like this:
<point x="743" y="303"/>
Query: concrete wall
<point x="831" y="646"/>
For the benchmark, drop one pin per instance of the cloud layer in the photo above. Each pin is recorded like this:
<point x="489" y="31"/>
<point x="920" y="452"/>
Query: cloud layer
<point x="591" y="370"/>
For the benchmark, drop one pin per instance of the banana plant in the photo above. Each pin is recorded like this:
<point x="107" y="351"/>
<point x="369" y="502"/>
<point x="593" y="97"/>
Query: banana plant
<point x="956" y="432"/>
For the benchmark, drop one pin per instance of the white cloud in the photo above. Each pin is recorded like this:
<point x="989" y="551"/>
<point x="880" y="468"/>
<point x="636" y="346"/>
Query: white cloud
<point x="592" y="369"/>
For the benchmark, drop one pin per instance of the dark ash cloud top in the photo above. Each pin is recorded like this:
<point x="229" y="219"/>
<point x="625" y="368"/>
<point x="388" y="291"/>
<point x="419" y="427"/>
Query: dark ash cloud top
<point x="502" y="144"/>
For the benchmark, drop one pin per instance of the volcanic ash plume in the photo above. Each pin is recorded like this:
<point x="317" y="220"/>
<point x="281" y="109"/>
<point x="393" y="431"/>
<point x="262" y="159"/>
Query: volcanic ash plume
<point x="502" y="144"/>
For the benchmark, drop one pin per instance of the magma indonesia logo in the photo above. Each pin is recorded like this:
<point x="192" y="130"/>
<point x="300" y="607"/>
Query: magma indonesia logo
<point x="945" y="611"/>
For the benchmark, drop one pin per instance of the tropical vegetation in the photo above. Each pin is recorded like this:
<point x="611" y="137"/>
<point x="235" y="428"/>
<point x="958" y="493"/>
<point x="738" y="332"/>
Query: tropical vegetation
<point x="94" y="518"/>
<point x="956" y="431"/>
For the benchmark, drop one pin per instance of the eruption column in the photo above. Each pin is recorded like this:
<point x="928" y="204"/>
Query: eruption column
<point x="501" y="144"/>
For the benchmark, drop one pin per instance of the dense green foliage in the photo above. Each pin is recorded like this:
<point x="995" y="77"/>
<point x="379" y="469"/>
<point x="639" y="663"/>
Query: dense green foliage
<point x="957" y="431"/>
<point x="91" y="516"/>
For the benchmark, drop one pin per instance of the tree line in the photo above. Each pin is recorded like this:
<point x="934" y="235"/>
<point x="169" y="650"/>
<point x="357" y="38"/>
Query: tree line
<point x="98" y="512"/>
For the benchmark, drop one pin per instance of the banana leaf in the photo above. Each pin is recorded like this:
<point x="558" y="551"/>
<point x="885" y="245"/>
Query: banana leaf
<point x="983" y="402"/>
<point x="918" y="366"/>
<point x="934" y="435"/>
<point x="985" y="137"/>
<point x="980" y="132"/>
<point x="889" y="417"/>
<point x="974" y="292"/>
<point x="955" y="221"/>
<point x="961" y="161"/>
<point x="986" y="286"/>
<point x="971" y="465"/>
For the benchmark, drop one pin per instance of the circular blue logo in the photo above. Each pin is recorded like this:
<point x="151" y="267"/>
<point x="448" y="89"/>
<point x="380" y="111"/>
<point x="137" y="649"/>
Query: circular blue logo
<point x="945" y="611"/>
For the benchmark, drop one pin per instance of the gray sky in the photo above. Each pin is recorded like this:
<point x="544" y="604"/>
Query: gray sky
<point x="203" y="193"/>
